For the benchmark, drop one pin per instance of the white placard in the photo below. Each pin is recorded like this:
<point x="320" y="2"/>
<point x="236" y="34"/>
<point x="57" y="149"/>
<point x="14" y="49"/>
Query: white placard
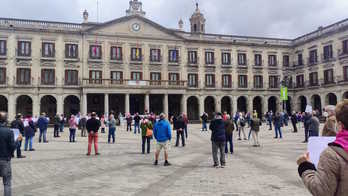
<point x="316" y="145"/>
<point x="136" y="83"/>
<point x="309" y="109"/>
<point x="15" y="133"/>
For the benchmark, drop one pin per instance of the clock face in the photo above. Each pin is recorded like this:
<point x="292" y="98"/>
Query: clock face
<point x="136" y="27"/>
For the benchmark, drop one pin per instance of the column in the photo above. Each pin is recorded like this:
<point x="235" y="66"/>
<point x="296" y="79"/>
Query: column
<point x="165" y="105"/>
<point x="234" y="105"/>
<point x="218" y="105"/>
<point x="60" y="104"/>
<point x="36" y="105"/>
<point x="11" y="107"/>
<point x="84" y="104"/>
<point x="106" y="104"/>
<point x="147" y="102"/>
<point x="265" y="104"/>
<point x="250" y="104"/>
<point x="201" y="105"/>
<point x="184" y="104"/>
<point x="127" y="103"/>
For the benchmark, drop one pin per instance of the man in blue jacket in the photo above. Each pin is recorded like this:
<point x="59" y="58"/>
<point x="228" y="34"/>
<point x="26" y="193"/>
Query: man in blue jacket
<point x="218" y="139"/>
<point x="42" y="123"/>
<point x="163" y="134"/>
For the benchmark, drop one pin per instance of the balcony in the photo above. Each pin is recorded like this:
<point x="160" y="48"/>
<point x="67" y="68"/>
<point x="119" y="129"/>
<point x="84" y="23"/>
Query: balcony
<point x="71" y="59"/>
<point x="312" y="62"/>
<point x="327" y="59"/>
<point x="177" y="62"/>
<point x="126" y="83"/>
<point x="23" y="83"/>
<point x="137" y="61"/>
<point x="47" y="84"/>
<point x="342" y="54"/>
<point x="25" y="57"/>
<point x="154" y="61"/>
<point x="95" y="60"/>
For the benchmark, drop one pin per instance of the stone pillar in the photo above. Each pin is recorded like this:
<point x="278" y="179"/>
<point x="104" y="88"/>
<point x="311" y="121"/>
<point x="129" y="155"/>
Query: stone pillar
<point x="106" y="104"/>
<point x="11" y="101"/>
<point x="84" y="104"/>
<point x="234" y="105"/>
<point x="183" y="104"/>
<point x="265" y="104"/>
<point x="127" y="103"/>
<point x="165" y="105"/>
<point x="218" y="105"/>
<point x="60" y="104"/>
<point x="36" y="105"/>
<point x="147" y="102"/>
<point x="250" y="104"/>
<point x="201" y="105"/>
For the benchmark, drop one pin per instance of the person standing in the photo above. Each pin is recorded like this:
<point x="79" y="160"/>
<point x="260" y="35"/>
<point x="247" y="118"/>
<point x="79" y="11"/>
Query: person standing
<point x="18" y="124"/>
<point x="137" y="123"/>
<point x="179" y="126"/>
<point x="229" y="128"/>
<point x="235" y="120"/>
<point x="29" y="133"/>
<point x="330" y="128"/>
<point x="93" y="125"/>
<point x="42" y="123"/>
<point x="294" y="121"/>
<point x="72" y="128"/>
<point x="204" y="118"/>
<point x="277" y="126"/>
<point x="306" y="122"/>
<point x="129" y="122"/>
<point x="62" y="121"/>
<point x="57" y="123"/>
<point x="102" y="122"/>
<point x="241" y="126"/>
<point x="186" y="123"/>
<point x="7" y="147"/>
<point x="82" y="125"/>
<point x="145" y="126"/>
<point x="313" y="127"/>
<point x="163" y="134"/>
<point x="218" y="139"/>
<point x="255" y="124"/>
<point x="112" y="128"/>
<point x="270" y="119"/>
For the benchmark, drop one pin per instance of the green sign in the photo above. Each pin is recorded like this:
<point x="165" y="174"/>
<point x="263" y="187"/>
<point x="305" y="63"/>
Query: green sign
<point x="284" y="93"/>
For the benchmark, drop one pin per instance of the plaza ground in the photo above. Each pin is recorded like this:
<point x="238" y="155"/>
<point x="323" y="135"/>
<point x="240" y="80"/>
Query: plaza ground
<point x="60" y="168"/>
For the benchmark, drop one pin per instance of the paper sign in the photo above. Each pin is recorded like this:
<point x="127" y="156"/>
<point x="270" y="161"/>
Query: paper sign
<point x="309" y="109"/>
<point x="15" y="133"/>
<point x="316" y="145"/>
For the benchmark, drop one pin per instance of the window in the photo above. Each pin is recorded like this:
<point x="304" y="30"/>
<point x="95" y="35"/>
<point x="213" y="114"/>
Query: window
<point x="192" y="57"/>
<point x="328" y="53"/>
<point x="155" y="55"/>
<point x="48" y="76"/>
<point x="95" y="52"/>
<point x="137" y="76"/>
<point x="226" y="81"/>
<point x="344" y="47"/>
<point x="313" y="79"/>
<point x="300" y="81"/>
<point x="71" y="51"/>
<point x="286" y="60"/>
<point x="300" y="59"/>
<point x="116" y="77"/>
<point x="272" y="60"/>
<point x="155" y="78"/>
<point x="273" y="81"/>
<point x="241" y="59"/>
<point x="116" y="53"/>
<point x="226" y="58"/>
<point x="243" y="81"/>
<point x="173" y="78"/>
<point x="24" y="48"/>
<point x="328" y="76"/>
<point x="173" y="56"/>
<point x="3" y="47"/>
<point x="258" y="60"/>
<point x="209" y="58"/>
<point x="345" y="73"/>
<point x="2" y="75"/>
<point x="193" y="80"/>
<point x="313" y="57"/>
<point x="136" y="54"/>
<point x="48" y="49"/>
<point x="23" y="76"/>
<point x="95" y="77"/>
<point x="258" y="82"/>
<point x="71" y="77"/>
<point x="210" y="80"/>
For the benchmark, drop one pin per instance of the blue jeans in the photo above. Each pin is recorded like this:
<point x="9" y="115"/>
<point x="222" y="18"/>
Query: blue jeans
<point x="28" y="140"/>
<point x="43" y="133"/>
<point x="229" y="139"/>
<point x="249" y="134"/>
<point x="204" y="126"/>
<point x="313" y="134"/>
<point x="72" y="134"/>
<point x="6" y="174"/>
<point x="112" y="131"/>
<point x="278" y="130"/>
<point x="135" y="128"/>
<point x="61" y="127"/>
<point x="270" y="124"/>
<point x="19" y="152"/>
<point x="185" y="129"/>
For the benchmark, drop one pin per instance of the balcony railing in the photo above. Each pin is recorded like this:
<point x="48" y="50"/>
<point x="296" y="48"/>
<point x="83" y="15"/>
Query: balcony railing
<point x="342" y="54"/>
<point x="312" y="62"/>
<point x="109" y="83"/>
<point x="327" y="59"/>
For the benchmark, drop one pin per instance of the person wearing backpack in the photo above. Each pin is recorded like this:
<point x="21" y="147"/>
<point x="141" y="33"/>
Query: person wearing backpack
<point x="255" y="124"/>
<point x="146" y="134"/>
<point x="229" y="128"/>
<point x="330" y="178"/>
<point x="241" y="126"/>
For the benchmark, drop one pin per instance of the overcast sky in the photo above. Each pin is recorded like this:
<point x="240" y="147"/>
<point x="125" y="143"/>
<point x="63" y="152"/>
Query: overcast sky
<point x="269" y="18"/>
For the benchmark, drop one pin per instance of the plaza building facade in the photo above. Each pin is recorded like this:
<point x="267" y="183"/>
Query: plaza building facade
<point x="132" y="64"/>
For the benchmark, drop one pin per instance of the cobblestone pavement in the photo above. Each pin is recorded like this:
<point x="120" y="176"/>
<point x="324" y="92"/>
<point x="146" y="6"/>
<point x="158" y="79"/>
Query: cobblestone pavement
<point x="62" y="168"/>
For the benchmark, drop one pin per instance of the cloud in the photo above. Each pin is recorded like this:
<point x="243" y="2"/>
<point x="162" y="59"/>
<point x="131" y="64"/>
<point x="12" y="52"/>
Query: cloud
<point x="267" y="18"/>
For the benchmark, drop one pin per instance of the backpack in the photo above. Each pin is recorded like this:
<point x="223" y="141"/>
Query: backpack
<point x="242" y="122"/>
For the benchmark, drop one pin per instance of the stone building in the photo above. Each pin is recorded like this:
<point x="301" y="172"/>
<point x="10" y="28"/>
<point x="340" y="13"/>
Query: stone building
<point x="132" y="64"/>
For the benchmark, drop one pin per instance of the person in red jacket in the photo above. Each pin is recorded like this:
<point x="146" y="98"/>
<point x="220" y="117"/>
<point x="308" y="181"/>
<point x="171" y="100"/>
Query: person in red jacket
<point x="93" y="125"/>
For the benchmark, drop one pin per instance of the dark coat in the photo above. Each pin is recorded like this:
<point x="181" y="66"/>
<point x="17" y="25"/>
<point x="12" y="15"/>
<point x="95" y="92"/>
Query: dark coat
<point x="92" y="125"/>
<point x="204" y="118"/>
<point x="42" y="123"/>
<point x="137" y="118"/>
<point x="29" y="131"/>
<point x="255" y="124"/>
<point x="179" y="124"/>
<point x="218" y="133"/>
<point x="18" y="124"/>
<point x="7" y="143"/>
<point x="229" y="127"/>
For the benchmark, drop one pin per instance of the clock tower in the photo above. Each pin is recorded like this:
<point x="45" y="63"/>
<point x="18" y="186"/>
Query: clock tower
<point x="197" y="21"/>
<point x="135" y="8"/>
